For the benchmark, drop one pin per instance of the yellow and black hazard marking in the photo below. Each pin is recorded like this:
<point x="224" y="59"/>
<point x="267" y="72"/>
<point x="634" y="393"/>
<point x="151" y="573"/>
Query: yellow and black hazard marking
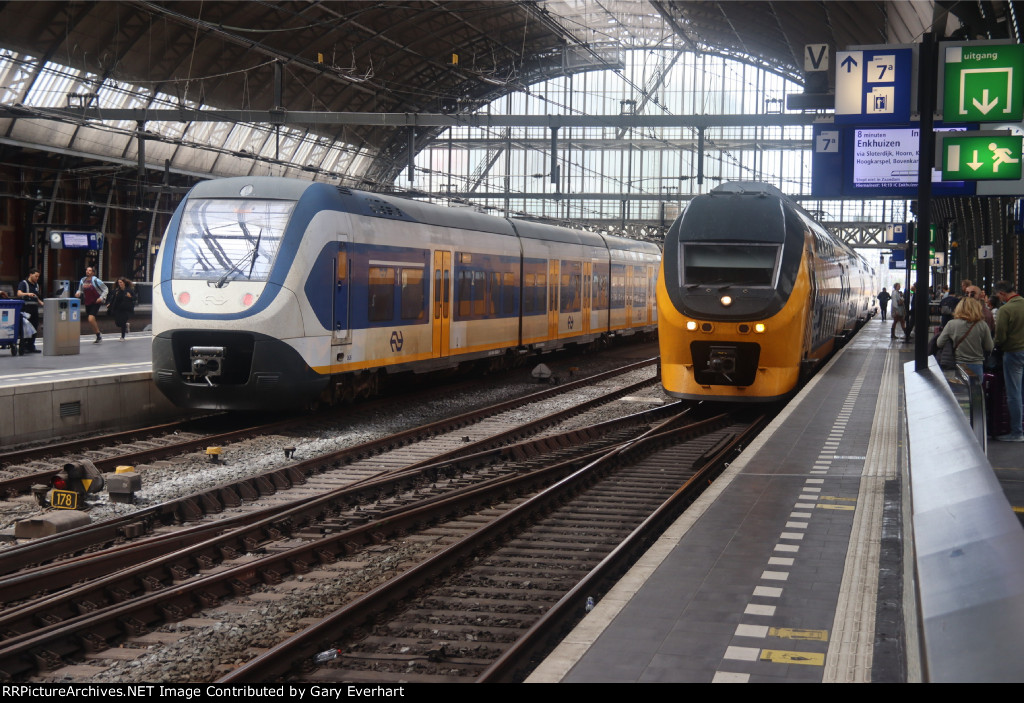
<point x="798" y="633"/>
<point x="778" y="656"/>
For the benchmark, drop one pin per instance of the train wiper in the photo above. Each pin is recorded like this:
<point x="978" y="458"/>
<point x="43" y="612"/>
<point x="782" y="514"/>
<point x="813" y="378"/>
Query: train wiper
<point x="250" y="256"/>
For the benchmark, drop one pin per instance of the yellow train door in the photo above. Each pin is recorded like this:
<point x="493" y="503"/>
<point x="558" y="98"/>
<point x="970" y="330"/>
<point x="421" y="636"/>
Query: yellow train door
<point x="553" y="284"/>
<point x="650" y="295"/>
<point x="629" y="296"/>
<point x="587" y="296"/>
<point x="442" y="318"/>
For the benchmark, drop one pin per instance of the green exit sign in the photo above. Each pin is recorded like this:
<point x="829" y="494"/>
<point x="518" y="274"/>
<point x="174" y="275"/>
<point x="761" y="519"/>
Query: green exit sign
<point x="984" y="83"/>
<point x="981" y="158"/>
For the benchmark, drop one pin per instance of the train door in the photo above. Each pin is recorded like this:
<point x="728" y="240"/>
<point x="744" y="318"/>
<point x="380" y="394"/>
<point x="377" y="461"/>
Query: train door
<point x="442" y="318"/>
<point x="651" y="294"/>
<point x="342" y="333"/>
<point x="553" y="284"/>
<point x="629" y="296"/>
<point x="587" y="293"/>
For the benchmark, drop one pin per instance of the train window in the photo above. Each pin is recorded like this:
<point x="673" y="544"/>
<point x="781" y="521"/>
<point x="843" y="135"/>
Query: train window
<point x="618" y="287"/>
<point x="570" y="301"/>
<point x="465" y="283"/>
<point x="494" y="294"/>
<point x="437" y="294"/>
<point x="447" y="287"/>
<point x="479" y="292"/>
<point x="413" y="296"/>
<point x="743" y="264"/>
<point x="529" y="291"/>
<point x="381" y="304"/>
<point x="342" y="265"/>
<point x="508" y="293"/>
<point x="601" y="291"/>
<point x="224" y="239"/>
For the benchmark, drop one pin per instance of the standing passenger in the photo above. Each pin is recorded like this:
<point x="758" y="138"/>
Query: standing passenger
<point x="93" y="293"/>
<point x="1010" y="339"/>
<point x="883" y="301"/>
<point x="969" y="335"/>
<point x="898" y="311"/>
<point x="912" y="302"/>
<point x="28" y="292"/>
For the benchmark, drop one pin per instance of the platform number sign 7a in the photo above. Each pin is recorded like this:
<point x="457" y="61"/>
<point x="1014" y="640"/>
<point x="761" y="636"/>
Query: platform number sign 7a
<point x="880" y="69"/>
<point x="827" y="142"/>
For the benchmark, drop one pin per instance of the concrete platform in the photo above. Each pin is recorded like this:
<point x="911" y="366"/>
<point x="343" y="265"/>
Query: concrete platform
<point x="796" y="565"/>
<point x="107" y="386"/>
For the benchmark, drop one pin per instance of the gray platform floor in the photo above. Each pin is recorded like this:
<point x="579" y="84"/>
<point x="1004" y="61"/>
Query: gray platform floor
<point x="789" y="569"/>
<point x="110" y="357"/>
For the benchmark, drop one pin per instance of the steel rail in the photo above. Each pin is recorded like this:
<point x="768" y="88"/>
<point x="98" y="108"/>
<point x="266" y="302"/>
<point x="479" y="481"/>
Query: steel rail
<point x="278" y="661"/>
<point x="215" y="499"/>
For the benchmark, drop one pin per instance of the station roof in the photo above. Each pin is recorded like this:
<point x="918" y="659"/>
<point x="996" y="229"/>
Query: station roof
<point x="393" y="57"/>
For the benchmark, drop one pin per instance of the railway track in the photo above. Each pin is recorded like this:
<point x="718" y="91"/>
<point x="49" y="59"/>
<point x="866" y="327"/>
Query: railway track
<point x="494" y="425"/>
<point x="359" y="504"/>
<point x="90" y="626"/>
<point x="488" y="605"/>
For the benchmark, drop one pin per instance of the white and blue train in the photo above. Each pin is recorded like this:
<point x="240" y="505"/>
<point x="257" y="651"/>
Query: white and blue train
<point x="274" y="292"/>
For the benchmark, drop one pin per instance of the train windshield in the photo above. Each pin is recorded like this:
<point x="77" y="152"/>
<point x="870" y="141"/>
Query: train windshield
<point x="221" y="240"/>
<point x="736" y="264"/>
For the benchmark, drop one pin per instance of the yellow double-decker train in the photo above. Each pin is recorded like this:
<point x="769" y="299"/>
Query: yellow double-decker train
<point x="753" y="294"/>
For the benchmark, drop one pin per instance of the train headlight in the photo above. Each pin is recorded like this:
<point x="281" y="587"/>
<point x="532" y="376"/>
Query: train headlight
<point x="184" y="298"/>
<point x="759" y="327"/>
<point x="248" y="299"/>
<point x="691" y="326"/>
<point x="726" y="301"/>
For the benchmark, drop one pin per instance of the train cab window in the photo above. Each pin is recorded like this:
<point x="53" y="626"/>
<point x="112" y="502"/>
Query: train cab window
<point x="381" y="294"/>
<point x="227" y="239"/>
<point x="413" y="294"/>
<point x="744" y="264"/>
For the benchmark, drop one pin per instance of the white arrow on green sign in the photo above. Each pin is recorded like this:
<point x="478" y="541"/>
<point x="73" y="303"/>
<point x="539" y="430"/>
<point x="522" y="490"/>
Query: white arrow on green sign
<point x="981" y="158"/>
<point x="984" y="83"/>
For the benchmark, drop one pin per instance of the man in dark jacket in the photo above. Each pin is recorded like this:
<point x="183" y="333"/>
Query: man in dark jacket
<point x="883" y="301"/>
<point x="1010" y="340"/>
<point x="912" y="301"/>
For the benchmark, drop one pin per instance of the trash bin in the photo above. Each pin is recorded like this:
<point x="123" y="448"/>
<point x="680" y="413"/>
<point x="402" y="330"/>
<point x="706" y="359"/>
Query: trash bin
<point x="62" y="327"/>
<point x="10" y="325"/>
